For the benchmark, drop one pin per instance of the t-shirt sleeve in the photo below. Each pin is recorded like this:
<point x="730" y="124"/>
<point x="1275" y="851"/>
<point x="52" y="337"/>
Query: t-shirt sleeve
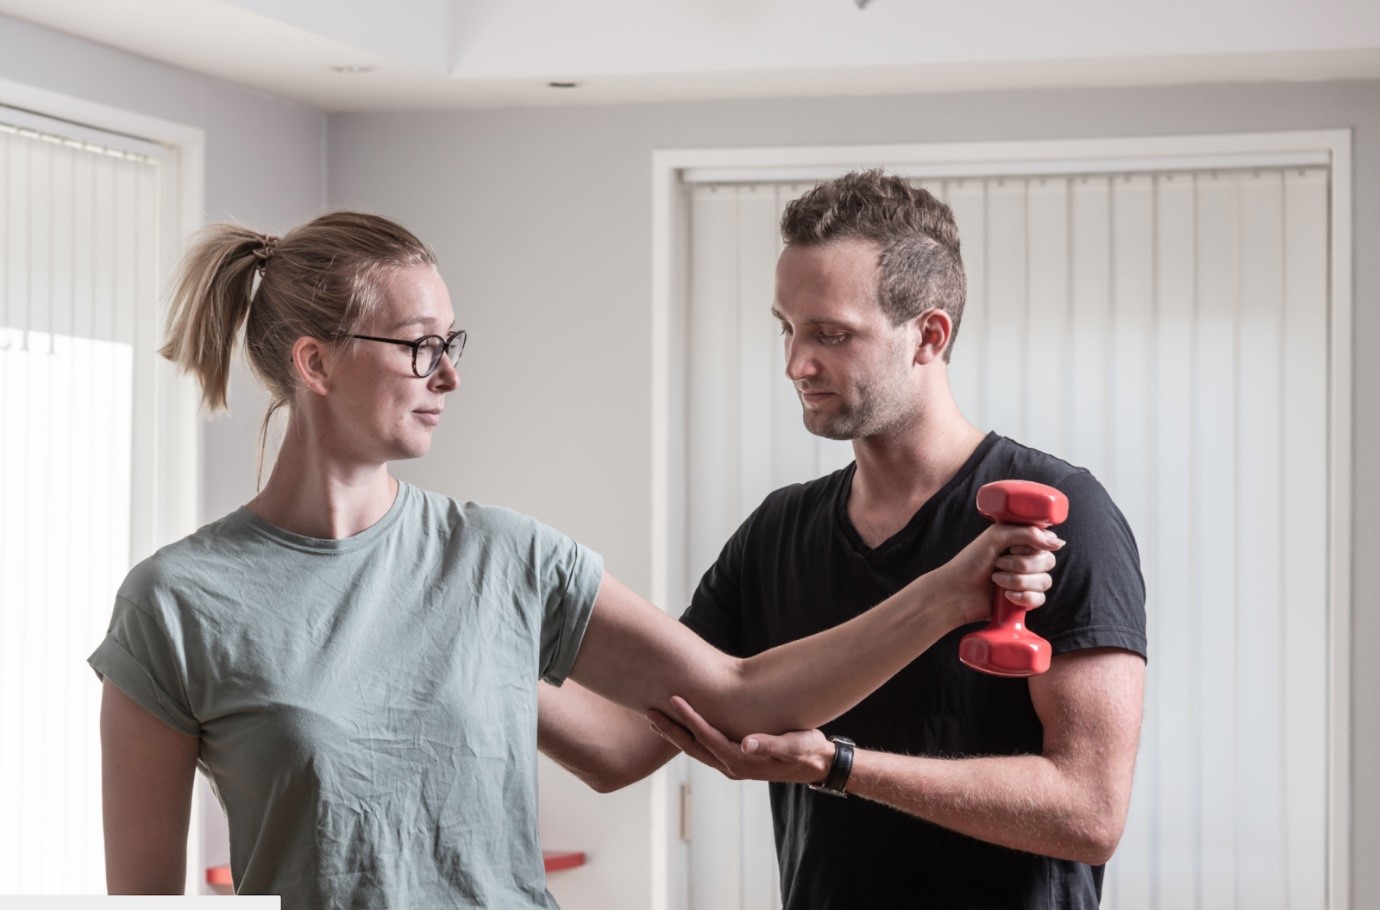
<point x="716" y="609"/>
<point x="1098" y="596"/>
<point x="139" y="657"/>
<point x="568" y="582"/>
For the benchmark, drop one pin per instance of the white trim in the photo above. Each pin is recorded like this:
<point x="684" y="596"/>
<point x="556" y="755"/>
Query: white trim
<point x="85" y="136"/>
<point x="173" y="421"/>
<point x="1166" y="149"/>
<point x="670" y="867"/>
<point x="1340" y="510"/>
<point x="669" y="169"/>
<point x="100" y="116"/>
<point x="937" y="170"/>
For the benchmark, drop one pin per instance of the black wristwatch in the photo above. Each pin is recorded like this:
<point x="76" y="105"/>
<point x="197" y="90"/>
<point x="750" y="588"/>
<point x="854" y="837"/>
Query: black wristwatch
<point x="842" y="766"/>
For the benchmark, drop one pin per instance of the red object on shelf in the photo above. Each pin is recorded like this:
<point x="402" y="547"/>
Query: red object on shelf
<point x="556" y="861"/>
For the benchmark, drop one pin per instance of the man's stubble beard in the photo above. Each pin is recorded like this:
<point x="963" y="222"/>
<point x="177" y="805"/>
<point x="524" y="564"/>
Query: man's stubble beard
<point x="880" y="408"/>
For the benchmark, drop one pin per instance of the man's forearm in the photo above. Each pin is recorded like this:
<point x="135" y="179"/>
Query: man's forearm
<point x="1025" y="802"/>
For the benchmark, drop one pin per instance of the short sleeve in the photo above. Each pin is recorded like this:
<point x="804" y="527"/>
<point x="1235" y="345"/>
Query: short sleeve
<point x="1098" y="596"/>
<point x="715" y="611"/>
<point x="139" y="657"/>
<point x="569" y="578"/>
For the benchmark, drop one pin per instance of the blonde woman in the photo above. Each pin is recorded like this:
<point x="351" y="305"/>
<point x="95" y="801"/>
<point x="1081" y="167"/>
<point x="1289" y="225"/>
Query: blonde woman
<point x="354" y="661"/>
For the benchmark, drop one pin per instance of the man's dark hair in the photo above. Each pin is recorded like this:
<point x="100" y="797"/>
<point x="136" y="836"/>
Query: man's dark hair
<point x="920" y="266"/>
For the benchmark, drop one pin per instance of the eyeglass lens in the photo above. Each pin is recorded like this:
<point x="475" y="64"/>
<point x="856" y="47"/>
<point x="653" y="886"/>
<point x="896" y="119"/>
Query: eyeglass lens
<point x="432" y="348"/>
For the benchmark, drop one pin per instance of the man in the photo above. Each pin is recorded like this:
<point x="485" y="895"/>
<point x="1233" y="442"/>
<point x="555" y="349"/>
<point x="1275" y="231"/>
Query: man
<point x="965" y="790"/>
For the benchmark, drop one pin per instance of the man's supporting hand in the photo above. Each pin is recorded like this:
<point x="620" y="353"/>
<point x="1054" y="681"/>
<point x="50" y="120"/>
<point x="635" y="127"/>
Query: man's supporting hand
<point x="800" y="757"/>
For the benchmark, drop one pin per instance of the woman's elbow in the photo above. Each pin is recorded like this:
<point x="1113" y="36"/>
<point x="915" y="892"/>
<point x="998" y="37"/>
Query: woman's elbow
<point x="610" y="783"/>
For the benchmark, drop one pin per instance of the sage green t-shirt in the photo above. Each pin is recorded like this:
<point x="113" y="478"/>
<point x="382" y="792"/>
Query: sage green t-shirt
<point x="367" y="707"/>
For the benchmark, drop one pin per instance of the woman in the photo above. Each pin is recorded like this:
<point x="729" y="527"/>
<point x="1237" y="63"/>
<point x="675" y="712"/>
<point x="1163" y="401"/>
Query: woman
<point x="354" y="661"/>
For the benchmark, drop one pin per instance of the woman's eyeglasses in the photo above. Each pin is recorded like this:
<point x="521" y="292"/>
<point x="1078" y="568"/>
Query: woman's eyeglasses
<point x="428" y="350"/>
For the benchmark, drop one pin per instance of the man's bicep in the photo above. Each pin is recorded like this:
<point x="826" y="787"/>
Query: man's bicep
<point x="1090" y="704"/>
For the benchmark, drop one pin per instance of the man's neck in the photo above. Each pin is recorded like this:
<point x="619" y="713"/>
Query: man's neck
<point x="900" y="472"/>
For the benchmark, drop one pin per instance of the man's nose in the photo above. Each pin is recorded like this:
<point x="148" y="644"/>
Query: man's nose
<point x="799" y="363"/>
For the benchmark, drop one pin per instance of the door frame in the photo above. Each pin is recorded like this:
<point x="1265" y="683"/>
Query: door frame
<point x="673" y="168"/>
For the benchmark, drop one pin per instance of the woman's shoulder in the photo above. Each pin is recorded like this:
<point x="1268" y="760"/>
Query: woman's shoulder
<point x="447" y="513"/>
<point x="213" y="550"/>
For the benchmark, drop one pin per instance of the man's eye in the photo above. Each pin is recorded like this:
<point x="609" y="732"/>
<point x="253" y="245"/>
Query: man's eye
<point x="826" y="338"/>
<point x="785" y="329"/>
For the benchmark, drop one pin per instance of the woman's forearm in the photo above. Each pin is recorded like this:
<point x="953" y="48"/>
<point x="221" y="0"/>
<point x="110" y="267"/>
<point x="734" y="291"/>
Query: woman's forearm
<point x="812" y="680"/>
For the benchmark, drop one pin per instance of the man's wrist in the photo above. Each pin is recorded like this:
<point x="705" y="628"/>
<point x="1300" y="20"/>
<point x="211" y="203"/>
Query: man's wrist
<point x="840" y="767"/>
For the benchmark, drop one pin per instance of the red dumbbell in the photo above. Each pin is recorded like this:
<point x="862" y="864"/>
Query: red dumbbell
<point x="1006" y="647"/>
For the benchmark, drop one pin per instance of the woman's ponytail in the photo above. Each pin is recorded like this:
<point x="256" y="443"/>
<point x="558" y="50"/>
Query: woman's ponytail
<point x="210" y="302"/>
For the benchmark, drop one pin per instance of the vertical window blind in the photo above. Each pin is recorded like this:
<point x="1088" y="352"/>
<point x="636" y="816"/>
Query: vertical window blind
<point x="1168" y="331"/>
<point x="79" y="273"/>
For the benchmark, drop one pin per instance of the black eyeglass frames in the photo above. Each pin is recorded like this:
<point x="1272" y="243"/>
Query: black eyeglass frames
<point x="428" y="350"/>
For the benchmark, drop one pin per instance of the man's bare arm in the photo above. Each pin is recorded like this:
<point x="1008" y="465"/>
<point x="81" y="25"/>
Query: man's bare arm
<point x="1069" y="802"/>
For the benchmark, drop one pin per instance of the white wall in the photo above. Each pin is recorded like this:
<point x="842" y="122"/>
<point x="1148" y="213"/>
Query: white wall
<point x="264" y="165"/>
<point x="542" y="220"/>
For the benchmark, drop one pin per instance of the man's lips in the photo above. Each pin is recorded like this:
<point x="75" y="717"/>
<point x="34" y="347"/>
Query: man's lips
<point x="812" y="396"/>
<point x="429" y="415"/>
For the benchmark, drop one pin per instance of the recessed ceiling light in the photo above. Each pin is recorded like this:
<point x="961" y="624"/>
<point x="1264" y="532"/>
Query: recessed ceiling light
<point x="352" y="68"/>
<point x="563" y="84"/>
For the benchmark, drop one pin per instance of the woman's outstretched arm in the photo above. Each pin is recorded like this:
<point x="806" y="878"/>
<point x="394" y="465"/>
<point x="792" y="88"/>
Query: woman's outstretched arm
<point x="637" y="656"/>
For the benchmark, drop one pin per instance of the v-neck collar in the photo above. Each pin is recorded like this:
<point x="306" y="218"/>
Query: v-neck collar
<point x="922" y="515"/>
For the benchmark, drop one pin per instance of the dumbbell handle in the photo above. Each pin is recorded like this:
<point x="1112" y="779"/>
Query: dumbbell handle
<point x="1006" y="647"/>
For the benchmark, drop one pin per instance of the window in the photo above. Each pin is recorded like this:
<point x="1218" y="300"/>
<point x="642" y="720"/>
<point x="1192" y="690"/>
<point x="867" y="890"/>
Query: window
<point x="89" y="464"/>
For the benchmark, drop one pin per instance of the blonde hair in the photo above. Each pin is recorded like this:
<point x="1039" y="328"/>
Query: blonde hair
<point x="321" y="280"/>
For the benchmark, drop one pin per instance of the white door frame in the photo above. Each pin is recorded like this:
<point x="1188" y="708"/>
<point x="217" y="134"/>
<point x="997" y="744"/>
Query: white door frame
<point x="672" y="168"/>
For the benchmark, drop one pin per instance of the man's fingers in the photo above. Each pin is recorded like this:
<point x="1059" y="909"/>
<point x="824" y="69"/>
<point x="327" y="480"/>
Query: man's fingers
<point x="1026" y="563"/>
<point x="703" y="730"/>
<point x="669" y="730"/>
<point x="767" y="747"/>
<point x="1005" y="536"/>
<point x="682" y="739"/>
<point x="1028" y="599"/>
<point x="1013" y="582"/>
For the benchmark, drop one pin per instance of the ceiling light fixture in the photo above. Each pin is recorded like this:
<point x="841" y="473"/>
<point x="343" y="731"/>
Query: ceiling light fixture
<point x="862" y="4"/>
<point x="563" y="85"/>
<point x="351" y="69"/>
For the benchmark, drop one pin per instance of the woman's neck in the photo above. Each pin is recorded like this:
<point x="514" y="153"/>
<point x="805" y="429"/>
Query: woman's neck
<point x="311" y="494"/>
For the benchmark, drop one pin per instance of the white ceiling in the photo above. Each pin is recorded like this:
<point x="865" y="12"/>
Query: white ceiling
<point x="492" y="53"/>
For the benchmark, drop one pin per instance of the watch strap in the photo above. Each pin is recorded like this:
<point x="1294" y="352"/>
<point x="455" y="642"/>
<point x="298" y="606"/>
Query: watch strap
<point x="839" y="768"/>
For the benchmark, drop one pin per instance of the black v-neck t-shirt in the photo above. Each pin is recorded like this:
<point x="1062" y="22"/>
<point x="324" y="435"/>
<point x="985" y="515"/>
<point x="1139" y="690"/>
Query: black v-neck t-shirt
<point x="797" y="566"/>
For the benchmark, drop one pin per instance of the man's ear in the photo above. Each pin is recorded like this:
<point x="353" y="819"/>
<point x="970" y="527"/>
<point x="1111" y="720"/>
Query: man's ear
<point x="934" y="329"/>
<point x="311" y="358"/>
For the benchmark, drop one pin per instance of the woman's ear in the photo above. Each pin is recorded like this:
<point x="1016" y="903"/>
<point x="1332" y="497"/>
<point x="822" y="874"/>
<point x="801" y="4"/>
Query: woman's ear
<point x="312" y="360"/>
<point x="934" y="329"/>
